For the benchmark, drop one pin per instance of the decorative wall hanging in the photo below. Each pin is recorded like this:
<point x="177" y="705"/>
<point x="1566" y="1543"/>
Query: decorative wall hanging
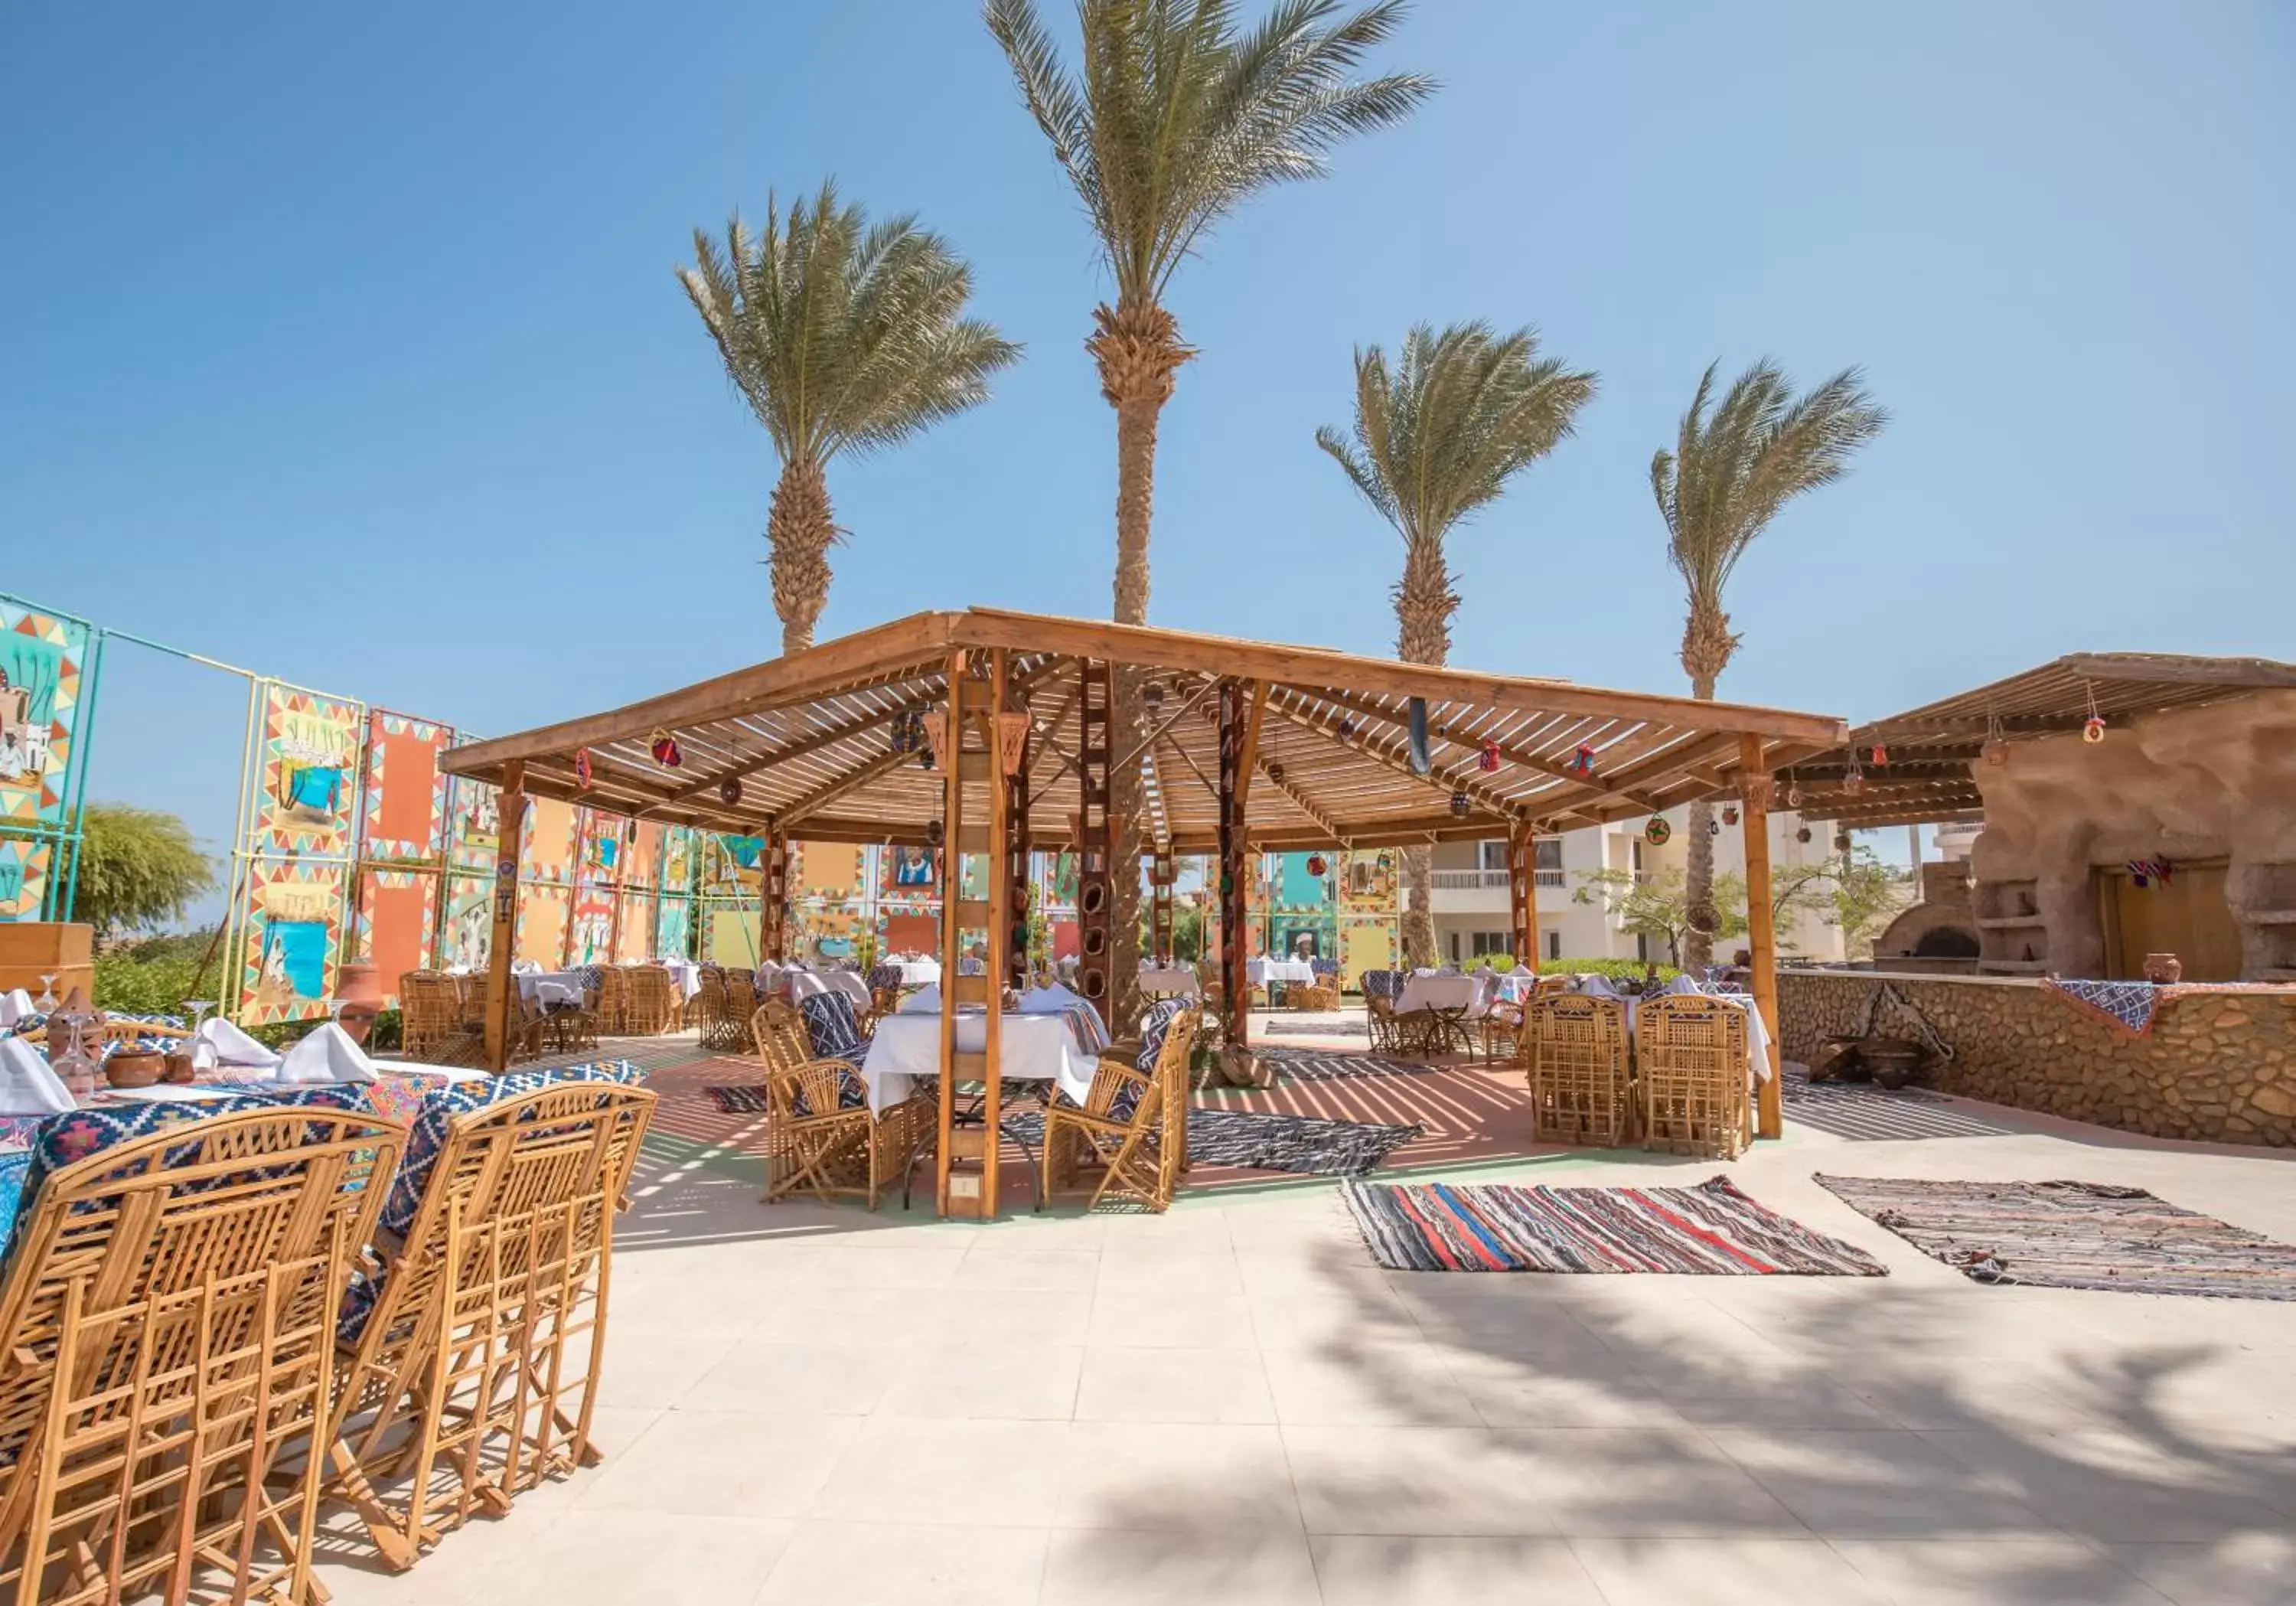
<point x="1488" y="759"/>
<point x="1317" y="864"/>
<point x="582" y="767"/>
<point x="1854" y="782"/>
<point x="1880" y="755"/>
<point x="1729" y="814"/>
<point x="2092" y="728"/>
<point x="1713" y="827"/>
<point x="935" y="831"/>
<point x="1582" y="761"/>
<point x="1419" y="760"/>
<point x="1996" y="751"/>
<point x="1011" y="741"/>
<point x="664" y="748"/>
<point x="1758" y="791"/>
<point x="1656" y="831"/>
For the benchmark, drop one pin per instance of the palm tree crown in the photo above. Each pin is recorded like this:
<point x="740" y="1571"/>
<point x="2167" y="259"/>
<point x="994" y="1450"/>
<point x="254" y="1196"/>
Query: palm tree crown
<point x="1438" y="437"/>
<point x="843" y="336"/>
<point x="1730" y="473"/>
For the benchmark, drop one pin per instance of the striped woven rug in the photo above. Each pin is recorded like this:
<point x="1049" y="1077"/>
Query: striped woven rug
<point x="2073" y="1235"/>
<point x="1712" y="1229"/>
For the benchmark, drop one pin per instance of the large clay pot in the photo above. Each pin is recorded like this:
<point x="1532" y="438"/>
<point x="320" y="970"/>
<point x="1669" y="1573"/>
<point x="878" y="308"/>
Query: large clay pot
<point x="2163" y="970"/>
<point x="134" y="1068"/>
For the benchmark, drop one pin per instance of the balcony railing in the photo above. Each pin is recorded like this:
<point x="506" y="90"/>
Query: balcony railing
<point x="1488" y="881"/>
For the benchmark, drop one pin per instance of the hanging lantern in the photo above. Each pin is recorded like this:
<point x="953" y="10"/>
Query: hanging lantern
<point x="1461" y="804"/>
<point x="729" y="790"/>
<point x="1582" y="762"/>
<point x="1881" y="755"/>
<point x="934" y="727"/>
<point x="582" y="767"/>
<point x="1841" y="842"/>
<point x="1801" y="833"/>
<point x="1729" y="814"/>
<point x="1713" y="827"/>
<point x="1995" y="752"/>
<point x="1152" y="697"/>
<point x="2093" y="729"/>
<point x="935" y="831"/>
<point x="1011" y="742"/>
<point x="664" y="748"/>
<point x="1347" y="729"/>
<point x="1275" y="770"/>
<point x="1317" y="864"/>
<point x="1488" y="759"/>
<point x="1656" y="831"/>
<point x="1854" y="782"/>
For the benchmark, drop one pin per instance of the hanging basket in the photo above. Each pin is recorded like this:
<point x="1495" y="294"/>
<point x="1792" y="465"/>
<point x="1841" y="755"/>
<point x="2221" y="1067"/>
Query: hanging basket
<point x="1703" y="918"/>
<point x="729" y="791"/>
<point x="1656" y="831"/>
<point x="1729" y="814"/>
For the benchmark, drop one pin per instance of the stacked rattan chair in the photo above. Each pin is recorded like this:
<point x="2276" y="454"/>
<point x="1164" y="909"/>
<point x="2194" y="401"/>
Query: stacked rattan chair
<point x="724" y="1027"/>
<point x="822" y="1137"/>
<point x="471" y="1354"/>
<point x="1582" y="1089"/>
<point x="1133" y="1126"/>
<point x="433" y="1029"/>
<point x="1503" y="1035"/>
<point x="613" y="1001"/>
<point x="1379" y="990"/>
<point x="1691" y="1055"/>
<point x="168" y="1319"/>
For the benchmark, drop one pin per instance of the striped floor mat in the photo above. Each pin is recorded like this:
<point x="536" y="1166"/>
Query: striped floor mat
<point x="1249" y="1141"/>
<point x="2073" y="1235"/>
<point x="1712" y="1229"/>
<point x="1863" y="1113"/>
<point x="737" y="1100"/>
<point x="1336" y="1065"/>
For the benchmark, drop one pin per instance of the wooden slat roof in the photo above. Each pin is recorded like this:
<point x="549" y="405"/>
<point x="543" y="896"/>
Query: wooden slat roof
<point x="1928" y="777"/>
<point x="809" y="737"/>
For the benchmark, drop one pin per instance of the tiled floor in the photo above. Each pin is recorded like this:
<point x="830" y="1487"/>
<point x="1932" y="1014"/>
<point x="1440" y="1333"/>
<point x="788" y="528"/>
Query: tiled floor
<point x="1230" y="1403"/>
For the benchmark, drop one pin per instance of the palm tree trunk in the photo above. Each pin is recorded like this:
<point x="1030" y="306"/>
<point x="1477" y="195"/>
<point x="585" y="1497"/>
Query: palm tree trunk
<point x="1138" y="350"/>
<point x="1706" y="644"/>
<point x="800" y="532"/>
<point x="1425" y="603"/>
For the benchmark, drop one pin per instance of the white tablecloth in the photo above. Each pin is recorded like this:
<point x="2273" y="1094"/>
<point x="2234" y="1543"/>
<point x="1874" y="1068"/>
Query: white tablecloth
<point x="686" y="975"/>
<point x="918" y="973"/>
<point x="1262" y="970"/>
<point x="1436" y="992"/>
<point x="541" y="988"/>
<point x="1037" y="1047"/>
<point x="1161" y="979"/>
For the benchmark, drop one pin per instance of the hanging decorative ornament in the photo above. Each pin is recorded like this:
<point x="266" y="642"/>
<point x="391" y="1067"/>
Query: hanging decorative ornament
<point x="1347" y="729"/>
<point x="582" y="767"/>
<point x="1729" y="814"/>
<point x="936" y="730"/>
<point x="1152" y="697"/>
<point x="664" y="746"/>
<point x="935" y="831"/>
<point x="1656" y="831"/>
<point x="1461" y="804"/>
<point x="1801" y="833"/>
<point x="2092" y="728"/>
<point x="1420" y="762"/>
<point x="1703" y="918"/>
<point x="1880" y="755"/>
<point x="729" y="790"/>
<point x="1841" y="842"/>
<point x="1582" y="762"/>
<point x="1275" y="770"/>
<point x="1794" y="791"/>
<point x="1488" y="759"/>
<point x="1713" y="827"/>
<point x="1317" y="864"/>
<point x="1996" y="751"/>
<point x="1854" y="782"/>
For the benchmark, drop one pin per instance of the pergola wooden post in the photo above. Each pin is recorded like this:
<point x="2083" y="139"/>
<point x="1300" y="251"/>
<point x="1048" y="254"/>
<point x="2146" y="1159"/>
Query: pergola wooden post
<point x="1160" y="875"/>
<point x="501" y="990"/>
<point x="774" y="899"/>
<point x="1239" y="743"/>
<point x="1522" y="890"/>
<point x="1095" y="835"/>
<point x="1762" y="935"/>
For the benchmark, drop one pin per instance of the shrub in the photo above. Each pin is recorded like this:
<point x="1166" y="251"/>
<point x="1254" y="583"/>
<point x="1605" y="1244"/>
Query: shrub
<point x="1616" y="970"/>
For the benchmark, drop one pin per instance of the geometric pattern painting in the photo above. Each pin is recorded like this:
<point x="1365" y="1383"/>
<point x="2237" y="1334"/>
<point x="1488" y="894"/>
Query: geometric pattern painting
<point x="467" y="935"/>
<point x="404" y="815"/>
<point x="311" y="768"/>
<point x="23" y="877"/>
<point x="394" y="924"/>
<point x="543" y="910"/>
<point x="293" y="930"/>
<point x="41" y="658"/>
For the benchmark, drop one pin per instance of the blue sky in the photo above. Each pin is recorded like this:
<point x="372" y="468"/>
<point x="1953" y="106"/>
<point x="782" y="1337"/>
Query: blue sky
<point x="344" y="343"/>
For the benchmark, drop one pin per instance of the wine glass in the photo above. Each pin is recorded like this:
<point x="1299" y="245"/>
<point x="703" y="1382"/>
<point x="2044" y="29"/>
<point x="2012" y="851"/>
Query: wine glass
<point x="194" y="1008"/>
<point x="47" y="1003"/>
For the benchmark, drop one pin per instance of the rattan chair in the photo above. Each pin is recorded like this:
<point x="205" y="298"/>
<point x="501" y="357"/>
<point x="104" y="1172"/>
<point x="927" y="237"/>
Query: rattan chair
<point x="1691" y="1056"/>
<point x="1502" y="1028"/>
<point x="1132" y="1125"/>
<point x="1581" y="1091"/>
<point x="473" y="1352"/>
<point x="1322" y="994"/>
<point x="649" y="1001"/>
<point x="613" y="1001"/>
<point x="168" y="1319"/>
<point x="822" y="1136"/>
<point x="711" y="1009"/>
<point x="433" y="1030"/>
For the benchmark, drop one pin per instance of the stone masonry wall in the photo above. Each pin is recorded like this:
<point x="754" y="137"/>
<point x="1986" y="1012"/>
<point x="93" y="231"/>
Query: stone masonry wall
<point x="2220" y="1067"/>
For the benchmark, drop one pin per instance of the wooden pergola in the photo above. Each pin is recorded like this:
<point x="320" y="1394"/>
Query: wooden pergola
<point x="1241" y="746"/>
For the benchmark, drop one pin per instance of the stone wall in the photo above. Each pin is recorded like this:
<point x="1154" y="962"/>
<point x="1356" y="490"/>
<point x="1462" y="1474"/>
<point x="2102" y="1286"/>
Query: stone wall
<point x="2217" y="1066"/>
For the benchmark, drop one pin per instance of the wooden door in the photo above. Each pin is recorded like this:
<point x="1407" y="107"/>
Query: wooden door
<point x="2187" y="918"/>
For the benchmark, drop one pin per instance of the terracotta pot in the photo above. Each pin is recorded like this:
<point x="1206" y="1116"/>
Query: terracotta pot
<point x="2163" y="970"/>
<point x="179" y="1068"/>
<point x="134" y="1068"/>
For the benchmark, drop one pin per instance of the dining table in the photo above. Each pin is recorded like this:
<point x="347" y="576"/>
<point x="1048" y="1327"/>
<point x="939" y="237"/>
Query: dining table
<point x="1445" y="1001"/>
<point x="1263" y="968"/>
<point x="1043" y="1048"/>
<point x="542" y="989"/>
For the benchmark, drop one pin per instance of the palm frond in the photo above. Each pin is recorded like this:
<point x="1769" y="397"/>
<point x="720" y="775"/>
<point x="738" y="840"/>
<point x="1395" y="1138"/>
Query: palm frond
<point x="842" y="334"/>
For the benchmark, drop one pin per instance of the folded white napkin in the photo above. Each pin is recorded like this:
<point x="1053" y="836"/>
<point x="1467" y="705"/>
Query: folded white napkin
<point x="1681" y="984"/>
<point x="15" y="1005"/>
<point x="28" y="1087"/>
<point x="525" y="968"/>
<point x="218" y="1042"/>
<point x="925" y="1000"/>
<point x="326" y="1054"/>
<point x="1048" y="1000"/>
<point x="1597" y="983"/>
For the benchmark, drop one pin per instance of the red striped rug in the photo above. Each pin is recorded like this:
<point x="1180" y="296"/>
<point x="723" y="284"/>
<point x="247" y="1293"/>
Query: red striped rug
<point x="1712" y="1229"/>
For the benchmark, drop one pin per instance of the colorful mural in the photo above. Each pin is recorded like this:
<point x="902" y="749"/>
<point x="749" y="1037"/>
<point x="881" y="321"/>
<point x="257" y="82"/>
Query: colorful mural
<point x="41" y="660"/>
<point x="394" y="923"/>
<point x="404" y="815"/>
<point x="1370" y="881"/>
<point x="293" y="933"/>
<point x="467" y="936"/>
<point x="23" y="877"/>
<point x="310" y="766"/>
<point x="1366" y="944"/>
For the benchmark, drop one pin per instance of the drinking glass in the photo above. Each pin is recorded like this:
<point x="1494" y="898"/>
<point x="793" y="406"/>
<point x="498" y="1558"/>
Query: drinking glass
<point x="47" y="1003"/>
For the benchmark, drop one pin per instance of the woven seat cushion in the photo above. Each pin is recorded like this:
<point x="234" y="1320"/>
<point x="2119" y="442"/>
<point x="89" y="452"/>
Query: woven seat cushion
<point x="1155" y="1025"/>
<point x="152" y="1044"/>
<point x="1382" y="983"/>
<point x="832" y="1028"/>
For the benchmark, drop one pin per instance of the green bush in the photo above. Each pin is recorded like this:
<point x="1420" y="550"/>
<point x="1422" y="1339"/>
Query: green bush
<point x="1617" y="971"/>
<point x="1499" y="963"/>
<point x="156" y="975"/>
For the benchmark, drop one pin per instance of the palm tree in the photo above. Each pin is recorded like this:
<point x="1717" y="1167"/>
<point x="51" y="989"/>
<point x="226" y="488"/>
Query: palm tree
<point x="1437" y="439"/>
<point x="1725" y="481"/>
<point x="1176" y="118"/>
<point x="841" y="337"/>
